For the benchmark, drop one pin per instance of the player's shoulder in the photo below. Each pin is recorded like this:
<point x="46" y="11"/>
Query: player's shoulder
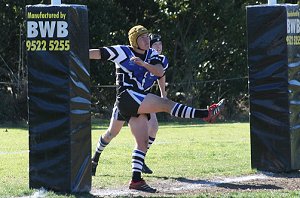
<point x="118" y="46"/>
<point x="118" y="49"/>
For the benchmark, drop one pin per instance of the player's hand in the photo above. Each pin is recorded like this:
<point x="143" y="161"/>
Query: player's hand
<point x="137" y="61"/>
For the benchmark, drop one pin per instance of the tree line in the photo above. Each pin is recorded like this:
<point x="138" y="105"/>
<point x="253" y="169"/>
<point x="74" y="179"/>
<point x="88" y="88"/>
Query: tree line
<point x="205" y="42"/>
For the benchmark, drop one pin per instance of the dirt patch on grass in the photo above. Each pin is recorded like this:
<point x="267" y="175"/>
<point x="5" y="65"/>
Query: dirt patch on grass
<point x="184" y="186"/>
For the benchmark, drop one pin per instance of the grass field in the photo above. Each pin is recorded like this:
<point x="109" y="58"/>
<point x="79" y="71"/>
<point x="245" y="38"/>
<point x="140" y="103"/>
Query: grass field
<point x="188" y="150"/>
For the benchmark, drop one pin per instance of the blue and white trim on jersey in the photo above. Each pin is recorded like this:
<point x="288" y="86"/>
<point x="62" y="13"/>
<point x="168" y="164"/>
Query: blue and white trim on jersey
<point x="132" y="75"/>
<point x="138" y="97"/>
<point x="115" y="113"/>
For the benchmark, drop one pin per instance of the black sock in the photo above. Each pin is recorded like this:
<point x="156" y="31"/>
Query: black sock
<point x="136" y="176"/>
<point x="201" y="113"/>
<point x="96" y="157"/>
<point x="100" y="147"/>
<point x="150" y="141"/>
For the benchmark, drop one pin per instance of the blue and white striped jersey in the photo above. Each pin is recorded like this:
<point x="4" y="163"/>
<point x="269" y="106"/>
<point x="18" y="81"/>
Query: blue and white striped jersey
<point x="128" y="74"/>
<point x="150" y="78"/>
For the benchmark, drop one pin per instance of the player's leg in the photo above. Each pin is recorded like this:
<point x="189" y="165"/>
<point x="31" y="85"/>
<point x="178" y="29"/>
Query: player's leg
<point x="113" y="130"/>
<point x="153" y="104"/>
<point x="152" y="126"/>
<point x="152" y="130"/>
<point x="139" y="129"/>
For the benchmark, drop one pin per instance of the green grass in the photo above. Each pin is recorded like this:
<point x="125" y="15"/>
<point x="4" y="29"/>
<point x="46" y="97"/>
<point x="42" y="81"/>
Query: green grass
<point x="191" y="151"/>
<point x="14" y="162"/>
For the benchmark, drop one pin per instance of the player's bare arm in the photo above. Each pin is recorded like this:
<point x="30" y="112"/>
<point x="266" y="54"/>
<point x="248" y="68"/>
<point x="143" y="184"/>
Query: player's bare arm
<point x="162" y="86"/>
<point x="156" y="69"/>
<point x="94" y="54"/>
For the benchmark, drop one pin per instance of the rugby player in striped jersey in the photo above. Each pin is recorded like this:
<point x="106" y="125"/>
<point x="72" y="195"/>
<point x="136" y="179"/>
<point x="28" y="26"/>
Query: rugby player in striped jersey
<point x="134" y="104"/>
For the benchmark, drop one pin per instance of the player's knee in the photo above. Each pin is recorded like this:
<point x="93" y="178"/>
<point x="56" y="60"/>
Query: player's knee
<point x="166" y="104"/>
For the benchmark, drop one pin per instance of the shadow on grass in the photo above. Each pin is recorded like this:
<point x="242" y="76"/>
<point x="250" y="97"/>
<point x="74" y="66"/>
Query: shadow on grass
<point x="222" y="184"/>
<point x="289" y="174"/>
<point x="51" y="193"/>
<point x="229" y="185"/>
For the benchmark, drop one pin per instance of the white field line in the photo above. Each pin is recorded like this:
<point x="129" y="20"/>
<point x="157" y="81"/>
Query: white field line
<point x="115" y="192"/>
<point x="13" y="152"/>
<point x="124" y="191"/>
